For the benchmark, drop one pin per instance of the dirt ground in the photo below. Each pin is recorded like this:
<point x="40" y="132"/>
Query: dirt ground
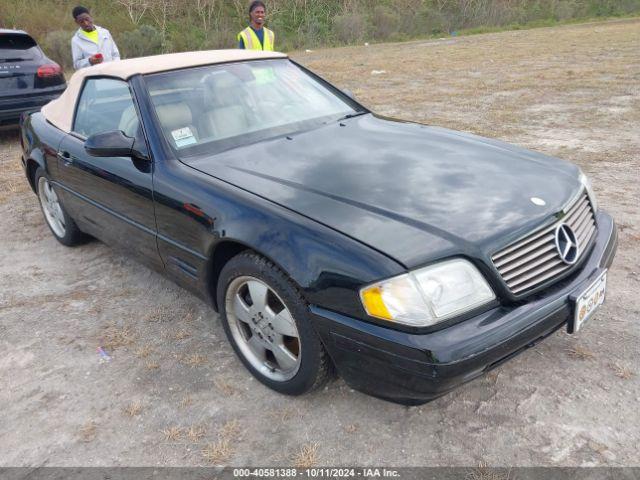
<point x="173" y="392"/>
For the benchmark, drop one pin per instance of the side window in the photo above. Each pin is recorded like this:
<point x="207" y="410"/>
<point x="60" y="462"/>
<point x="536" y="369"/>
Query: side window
<point x="105" y="105"/>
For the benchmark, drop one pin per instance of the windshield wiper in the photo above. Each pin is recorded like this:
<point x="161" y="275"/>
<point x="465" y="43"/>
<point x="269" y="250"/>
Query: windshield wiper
<point x="351" y="115"/>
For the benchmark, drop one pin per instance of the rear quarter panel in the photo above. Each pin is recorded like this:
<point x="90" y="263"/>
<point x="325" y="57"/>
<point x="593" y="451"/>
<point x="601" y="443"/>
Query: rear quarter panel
<point x="40" y="142"/>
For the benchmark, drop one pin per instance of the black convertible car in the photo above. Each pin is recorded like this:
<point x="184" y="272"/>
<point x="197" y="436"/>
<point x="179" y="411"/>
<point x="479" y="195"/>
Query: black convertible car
<point x="410" y="258"/>
<point x="28" y="79"/>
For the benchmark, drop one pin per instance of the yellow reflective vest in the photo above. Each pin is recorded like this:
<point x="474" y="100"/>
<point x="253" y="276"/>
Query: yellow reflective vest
<point x="252" y="42"/>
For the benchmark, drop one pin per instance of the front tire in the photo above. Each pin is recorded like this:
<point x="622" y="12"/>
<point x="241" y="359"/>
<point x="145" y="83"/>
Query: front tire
<point x="62" y="226"/>
<point x="267" y="323"/>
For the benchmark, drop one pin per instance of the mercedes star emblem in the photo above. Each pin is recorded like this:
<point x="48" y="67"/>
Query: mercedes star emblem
<point x="567" y="244"/>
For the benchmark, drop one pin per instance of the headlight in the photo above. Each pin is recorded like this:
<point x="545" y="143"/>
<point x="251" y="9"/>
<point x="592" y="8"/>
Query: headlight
<point x="584" y="180"/>
<point x="429" y="295"/>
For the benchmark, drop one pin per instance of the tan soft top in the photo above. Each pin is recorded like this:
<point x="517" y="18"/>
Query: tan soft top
<point x="60" y="111"/>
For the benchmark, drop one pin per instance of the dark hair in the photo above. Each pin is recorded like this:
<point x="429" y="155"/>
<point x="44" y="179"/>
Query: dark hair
<point x="77" y="11"/>
<point x="255" y="4"/>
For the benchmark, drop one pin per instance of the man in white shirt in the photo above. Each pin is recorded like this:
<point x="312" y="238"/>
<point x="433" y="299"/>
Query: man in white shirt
<point x="91" y="44"/>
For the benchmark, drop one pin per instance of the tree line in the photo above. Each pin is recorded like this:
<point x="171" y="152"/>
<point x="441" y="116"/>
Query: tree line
<point x="146" y="27"/>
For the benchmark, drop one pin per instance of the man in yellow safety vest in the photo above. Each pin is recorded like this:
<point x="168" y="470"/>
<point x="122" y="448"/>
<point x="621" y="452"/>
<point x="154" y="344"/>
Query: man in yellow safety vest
<point x="256" y="36"/>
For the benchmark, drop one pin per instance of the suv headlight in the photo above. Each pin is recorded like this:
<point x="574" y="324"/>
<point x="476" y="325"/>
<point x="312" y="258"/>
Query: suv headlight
<point x="429" y="295"/>
<point x="584" y="180"/>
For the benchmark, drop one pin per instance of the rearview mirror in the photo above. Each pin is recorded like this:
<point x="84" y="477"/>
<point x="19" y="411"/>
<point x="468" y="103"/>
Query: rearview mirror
<point x="109" y="144"/>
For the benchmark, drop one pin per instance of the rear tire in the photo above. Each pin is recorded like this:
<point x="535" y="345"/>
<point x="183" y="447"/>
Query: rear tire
<point x="267" y="323"/>
<point x="62" y="226"/>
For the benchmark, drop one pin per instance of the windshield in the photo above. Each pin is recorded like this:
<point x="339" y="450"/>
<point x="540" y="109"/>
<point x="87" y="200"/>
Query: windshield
<point x="209" y="109"/>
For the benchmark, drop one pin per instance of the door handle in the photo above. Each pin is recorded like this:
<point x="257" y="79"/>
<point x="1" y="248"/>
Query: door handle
<point x="65" y="157"/>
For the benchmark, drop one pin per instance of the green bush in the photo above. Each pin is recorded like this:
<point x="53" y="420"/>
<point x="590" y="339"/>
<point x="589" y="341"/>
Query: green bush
<point x="222" y="38"/>
<point x="349" y="27"/>
<point x="434" y="22"/>
<point x="385" y="22"/>
<point x="187" y="40"/>
<point x="57" y="46"/>
<point x="565" y="10"/>
<point x="142" y="42"/>
<point x="308" y="35"/>
<point x="602" y="8"/>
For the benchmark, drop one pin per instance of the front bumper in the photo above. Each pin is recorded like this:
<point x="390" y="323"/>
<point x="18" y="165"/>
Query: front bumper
<point x="415" y="368"/>
<point x="12" y="107"/>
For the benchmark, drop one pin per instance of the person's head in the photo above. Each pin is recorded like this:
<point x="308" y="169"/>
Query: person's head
<point x="83" y="18"/>
<point x="257" y="12"/>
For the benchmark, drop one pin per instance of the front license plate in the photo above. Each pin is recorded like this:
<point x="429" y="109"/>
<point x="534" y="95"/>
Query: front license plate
<point x="587" y="303"/>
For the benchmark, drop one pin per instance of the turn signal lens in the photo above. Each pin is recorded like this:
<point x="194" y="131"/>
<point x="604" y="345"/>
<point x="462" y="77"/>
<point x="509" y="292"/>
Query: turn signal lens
<point x="397" y="300"/>
<point x="374" y="304"/>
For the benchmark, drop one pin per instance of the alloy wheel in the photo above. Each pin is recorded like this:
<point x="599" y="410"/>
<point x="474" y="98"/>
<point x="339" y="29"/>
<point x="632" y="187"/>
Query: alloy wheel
<point x="51" y="207"/>
<point x="263" y="328"/>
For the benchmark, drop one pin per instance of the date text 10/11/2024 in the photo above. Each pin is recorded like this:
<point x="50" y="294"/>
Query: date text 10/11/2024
<point x="318" y="472"/>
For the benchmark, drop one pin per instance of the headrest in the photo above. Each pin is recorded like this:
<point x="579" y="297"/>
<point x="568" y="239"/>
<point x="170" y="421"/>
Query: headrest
<point x="174" y="115"/>
<point x="223" y="89"/>
<point x="223" y="80"/>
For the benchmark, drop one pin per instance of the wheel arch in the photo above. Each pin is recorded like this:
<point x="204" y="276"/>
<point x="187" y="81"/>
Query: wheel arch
<point x="222" y="253"/>
<point x="32" y="165"/>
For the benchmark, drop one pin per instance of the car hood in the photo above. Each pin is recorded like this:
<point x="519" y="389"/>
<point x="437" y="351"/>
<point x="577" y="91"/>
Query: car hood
<point x="413" y="192"/>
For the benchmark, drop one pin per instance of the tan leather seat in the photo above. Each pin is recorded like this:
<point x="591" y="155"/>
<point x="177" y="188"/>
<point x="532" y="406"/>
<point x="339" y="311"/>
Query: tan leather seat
<point x="227" y="114"/>
<point x="174" y="117"/>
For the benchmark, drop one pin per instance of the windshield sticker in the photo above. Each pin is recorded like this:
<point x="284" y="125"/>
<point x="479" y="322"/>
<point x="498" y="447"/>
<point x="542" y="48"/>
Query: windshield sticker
<point x="183" y="137"/>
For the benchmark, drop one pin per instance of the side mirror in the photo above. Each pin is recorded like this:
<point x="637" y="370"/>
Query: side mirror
<point x="349" y="94"/>
<point x="109" y="144"/>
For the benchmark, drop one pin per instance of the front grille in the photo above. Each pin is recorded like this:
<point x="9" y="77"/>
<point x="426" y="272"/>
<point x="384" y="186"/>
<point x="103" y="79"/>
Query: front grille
<point x="534" y="259"/>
